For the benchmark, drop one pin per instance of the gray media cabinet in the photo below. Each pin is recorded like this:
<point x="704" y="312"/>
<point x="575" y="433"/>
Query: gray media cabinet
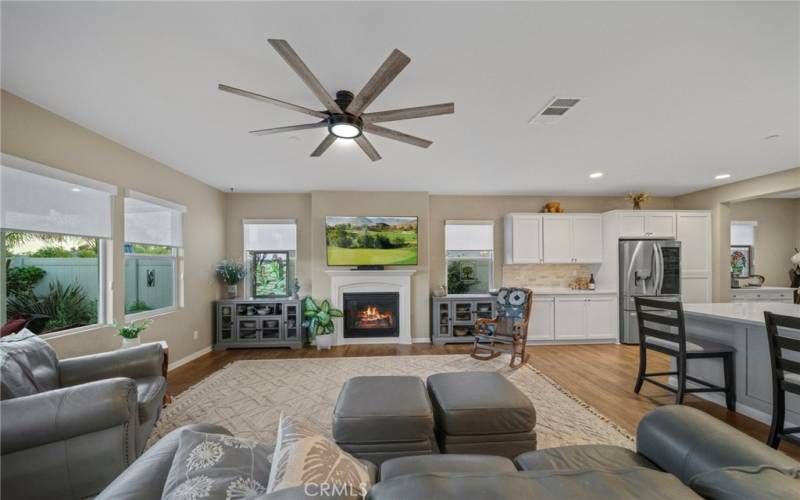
<point x="259" y="323"/>
<point x="453" y="317"/>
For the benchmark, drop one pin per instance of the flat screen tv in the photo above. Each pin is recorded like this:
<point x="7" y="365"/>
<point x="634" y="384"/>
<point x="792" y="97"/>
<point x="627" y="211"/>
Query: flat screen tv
<point x="371" y="241"/>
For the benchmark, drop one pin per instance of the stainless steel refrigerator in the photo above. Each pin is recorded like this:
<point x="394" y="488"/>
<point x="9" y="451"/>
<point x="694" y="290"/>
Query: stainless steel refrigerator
<point x="647" y="268"/>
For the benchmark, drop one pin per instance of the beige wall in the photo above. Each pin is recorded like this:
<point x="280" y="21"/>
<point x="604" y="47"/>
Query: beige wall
<point x="270" y="206"/>
<point x="36" y="134"/>
<point x="776" y="235"/>
<point x="453" y="207"/>
<point x="384" y="203"/>
<point x="717" y="200"/>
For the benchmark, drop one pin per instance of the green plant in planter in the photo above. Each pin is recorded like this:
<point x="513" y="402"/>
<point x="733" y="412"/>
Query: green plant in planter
<point x="230" y="272"/>
<point x="132" y="330"/>
<point x="319" y="318"/>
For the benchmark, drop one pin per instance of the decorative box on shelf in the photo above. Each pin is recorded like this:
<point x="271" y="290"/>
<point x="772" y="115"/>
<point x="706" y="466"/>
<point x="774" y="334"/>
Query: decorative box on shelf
<point x="453" y="317"/>
<point x="259" y="323"/>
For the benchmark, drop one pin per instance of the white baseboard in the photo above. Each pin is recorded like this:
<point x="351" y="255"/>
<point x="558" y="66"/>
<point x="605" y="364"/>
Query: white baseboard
<point x="191" y="357"/>
<point x="420" y="340"/>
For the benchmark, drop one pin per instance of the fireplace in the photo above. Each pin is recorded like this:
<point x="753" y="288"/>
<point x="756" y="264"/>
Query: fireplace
<point x="371" y="314"/>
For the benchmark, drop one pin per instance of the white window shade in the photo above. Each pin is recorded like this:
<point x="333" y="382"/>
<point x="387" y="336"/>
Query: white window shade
<point x="270" y="235"/>
<point x="465" y="235"/>
<point x="152" y="221"/>
<point x="743" y="233"/>
<point x="37" y="198"/>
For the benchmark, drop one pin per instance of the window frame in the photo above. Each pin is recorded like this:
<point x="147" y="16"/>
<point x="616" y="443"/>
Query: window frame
<point x="177" y="283"/>
<point x="448" y="259"/>
<point x="249" y="284"/>
<point x="104" y="299"/>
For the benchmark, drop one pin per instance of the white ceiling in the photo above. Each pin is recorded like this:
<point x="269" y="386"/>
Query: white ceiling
<point x="674" y="93"/>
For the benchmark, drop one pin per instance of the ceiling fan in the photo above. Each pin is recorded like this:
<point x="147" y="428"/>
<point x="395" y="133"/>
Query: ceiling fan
<point x="344" y="116"/>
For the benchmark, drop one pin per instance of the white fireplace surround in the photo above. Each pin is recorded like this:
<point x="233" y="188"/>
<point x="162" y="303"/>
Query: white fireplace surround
<point x="373" y="282"/>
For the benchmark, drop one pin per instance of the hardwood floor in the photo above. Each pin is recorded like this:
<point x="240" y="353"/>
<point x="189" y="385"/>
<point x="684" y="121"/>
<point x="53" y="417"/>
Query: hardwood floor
<point x="601" y="375"/>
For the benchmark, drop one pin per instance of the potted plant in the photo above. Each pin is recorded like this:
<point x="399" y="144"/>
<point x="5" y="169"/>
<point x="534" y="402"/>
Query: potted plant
<point x="231" y="273"/>
<point x="130" y="333"/>
<point x="319" y="321"/>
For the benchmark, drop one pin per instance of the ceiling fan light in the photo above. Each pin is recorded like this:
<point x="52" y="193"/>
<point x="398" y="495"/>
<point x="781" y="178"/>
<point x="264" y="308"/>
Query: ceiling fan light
<point x="345" y="131"/>
<point x="344" y="126"/>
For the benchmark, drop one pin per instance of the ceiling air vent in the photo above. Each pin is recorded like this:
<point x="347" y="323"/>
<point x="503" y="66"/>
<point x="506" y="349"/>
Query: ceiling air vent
<point x="555" y="110"/>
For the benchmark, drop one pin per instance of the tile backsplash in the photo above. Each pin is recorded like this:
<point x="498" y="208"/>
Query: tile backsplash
<point x="543" y="275"/>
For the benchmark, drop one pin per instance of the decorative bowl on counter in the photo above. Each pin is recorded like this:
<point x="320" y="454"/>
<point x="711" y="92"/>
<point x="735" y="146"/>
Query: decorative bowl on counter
<point x="755" y="280"/>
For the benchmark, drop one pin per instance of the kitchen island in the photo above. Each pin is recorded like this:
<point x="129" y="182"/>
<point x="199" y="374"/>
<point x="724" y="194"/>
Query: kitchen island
<point x="740" y="325"/>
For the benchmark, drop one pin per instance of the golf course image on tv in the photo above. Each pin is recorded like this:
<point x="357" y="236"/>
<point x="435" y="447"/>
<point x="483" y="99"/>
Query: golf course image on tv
<point x="371" y="241"/>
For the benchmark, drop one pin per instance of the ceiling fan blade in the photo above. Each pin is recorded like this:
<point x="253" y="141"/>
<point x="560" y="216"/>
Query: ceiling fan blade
<point x="397" y="136"/>
<point x="290" y="128"/>
<point x="277" y="102"/>
<point x="368" y="148"/>
<point x="292" y="59"/>
<point x="390" y="68"/>
<point x="407" y="113"/>
<point x="324" y="145"/>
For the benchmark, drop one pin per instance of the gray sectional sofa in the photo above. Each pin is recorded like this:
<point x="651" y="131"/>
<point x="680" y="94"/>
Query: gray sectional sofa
<point x="680" y="452"/>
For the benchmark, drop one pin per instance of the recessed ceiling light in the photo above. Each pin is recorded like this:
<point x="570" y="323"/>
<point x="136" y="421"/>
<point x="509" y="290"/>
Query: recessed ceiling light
<point x="76" y="190"/>
<point x="770" y="137"/>
<point x="722" y="176"/>
<point x="596" y="175"/>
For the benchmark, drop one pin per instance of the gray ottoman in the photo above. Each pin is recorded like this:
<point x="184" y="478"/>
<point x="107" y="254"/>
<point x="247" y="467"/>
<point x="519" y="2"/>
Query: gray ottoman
<point x="378" y="418"/>
<point x="481" y="412"/>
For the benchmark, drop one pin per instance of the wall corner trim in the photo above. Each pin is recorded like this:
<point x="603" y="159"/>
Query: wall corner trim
<point x="190" y="357"/>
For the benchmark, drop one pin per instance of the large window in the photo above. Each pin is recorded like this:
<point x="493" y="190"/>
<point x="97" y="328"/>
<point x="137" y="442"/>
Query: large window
<point x="270" y="248"/>
<point x="469" y="251"/>
<point x="153" y="244"/>
<point x="55" y="230"/>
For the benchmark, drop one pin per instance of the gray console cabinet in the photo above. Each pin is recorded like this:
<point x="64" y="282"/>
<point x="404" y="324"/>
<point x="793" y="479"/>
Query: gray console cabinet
<point x="453" y="317"/>
<point x="258" y="323"/>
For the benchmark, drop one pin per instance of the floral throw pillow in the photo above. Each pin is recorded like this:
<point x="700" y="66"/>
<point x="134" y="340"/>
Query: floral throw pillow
<point x="217" y="466"/>
<point x="308" y="459"/>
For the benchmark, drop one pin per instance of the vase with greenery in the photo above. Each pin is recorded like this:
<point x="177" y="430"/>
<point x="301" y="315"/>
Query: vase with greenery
<point x="319" y="321"/>
<point x="231" y="273"/>
<point x="130" y="332"/>
<point x="794" y="272"/>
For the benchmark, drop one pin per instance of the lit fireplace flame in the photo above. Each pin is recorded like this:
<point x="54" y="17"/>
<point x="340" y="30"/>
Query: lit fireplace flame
<point x="371" y="317"/>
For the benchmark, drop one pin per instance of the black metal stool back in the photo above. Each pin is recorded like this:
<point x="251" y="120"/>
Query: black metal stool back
<point x="783" y="333"/>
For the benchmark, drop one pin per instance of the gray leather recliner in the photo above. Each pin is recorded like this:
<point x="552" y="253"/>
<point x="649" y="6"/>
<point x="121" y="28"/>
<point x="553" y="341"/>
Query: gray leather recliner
<point x="70" y="427"/>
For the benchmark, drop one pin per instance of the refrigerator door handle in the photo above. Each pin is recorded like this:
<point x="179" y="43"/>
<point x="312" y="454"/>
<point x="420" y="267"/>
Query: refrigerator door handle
<point x="660" y="269"/>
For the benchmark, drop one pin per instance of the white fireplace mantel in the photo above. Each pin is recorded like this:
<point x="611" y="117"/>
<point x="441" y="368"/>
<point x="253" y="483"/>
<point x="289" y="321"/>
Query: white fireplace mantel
<point x="346" y="281"/>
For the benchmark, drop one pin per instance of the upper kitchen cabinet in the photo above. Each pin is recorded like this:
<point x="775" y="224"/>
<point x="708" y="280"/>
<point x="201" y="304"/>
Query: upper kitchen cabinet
<point x="572" y="239"/>
<point x="523" y="239"/>
<point x="641" y="224"/>
<point x="554" y="239"/>
<point x="694" y="233"/>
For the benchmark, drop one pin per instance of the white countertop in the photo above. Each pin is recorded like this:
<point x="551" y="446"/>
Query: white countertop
<point x="751" y="313"/>
<point x="763" y="289"/>
<point x="569" y="291"/>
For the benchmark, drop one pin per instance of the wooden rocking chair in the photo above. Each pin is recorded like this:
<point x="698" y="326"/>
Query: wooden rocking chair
<point x="508" y="331"/>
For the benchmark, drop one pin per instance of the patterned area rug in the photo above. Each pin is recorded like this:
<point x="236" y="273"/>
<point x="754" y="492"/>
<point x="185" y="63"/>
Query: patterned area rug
<point x="247" y="397"/>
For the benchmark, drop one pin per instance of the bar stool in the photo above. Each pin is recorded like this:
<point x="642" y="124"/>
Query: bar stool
<point x="785" y="373"/>
<point x="662" y="329"/>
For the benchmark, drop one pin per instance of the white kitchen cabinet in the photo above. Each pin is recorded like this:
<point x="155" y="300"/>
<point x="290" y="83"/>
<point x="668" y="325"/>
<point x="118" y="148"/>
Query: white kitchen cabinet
<point x="542" y="327"/>
<point x="640" y="224"/>
<point x="765" y="294"/>
<point x="586" y="317"/>
<point x="587" y="238"/>
<point x="694" y="233"/>
<point x="570" y="318"/>
<point x="601" y="316"/>
<point x="553" y="238"/>
<point x="557" y="239"/>
<point x="523" y="239"/>
<point x="696" y="289"/>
